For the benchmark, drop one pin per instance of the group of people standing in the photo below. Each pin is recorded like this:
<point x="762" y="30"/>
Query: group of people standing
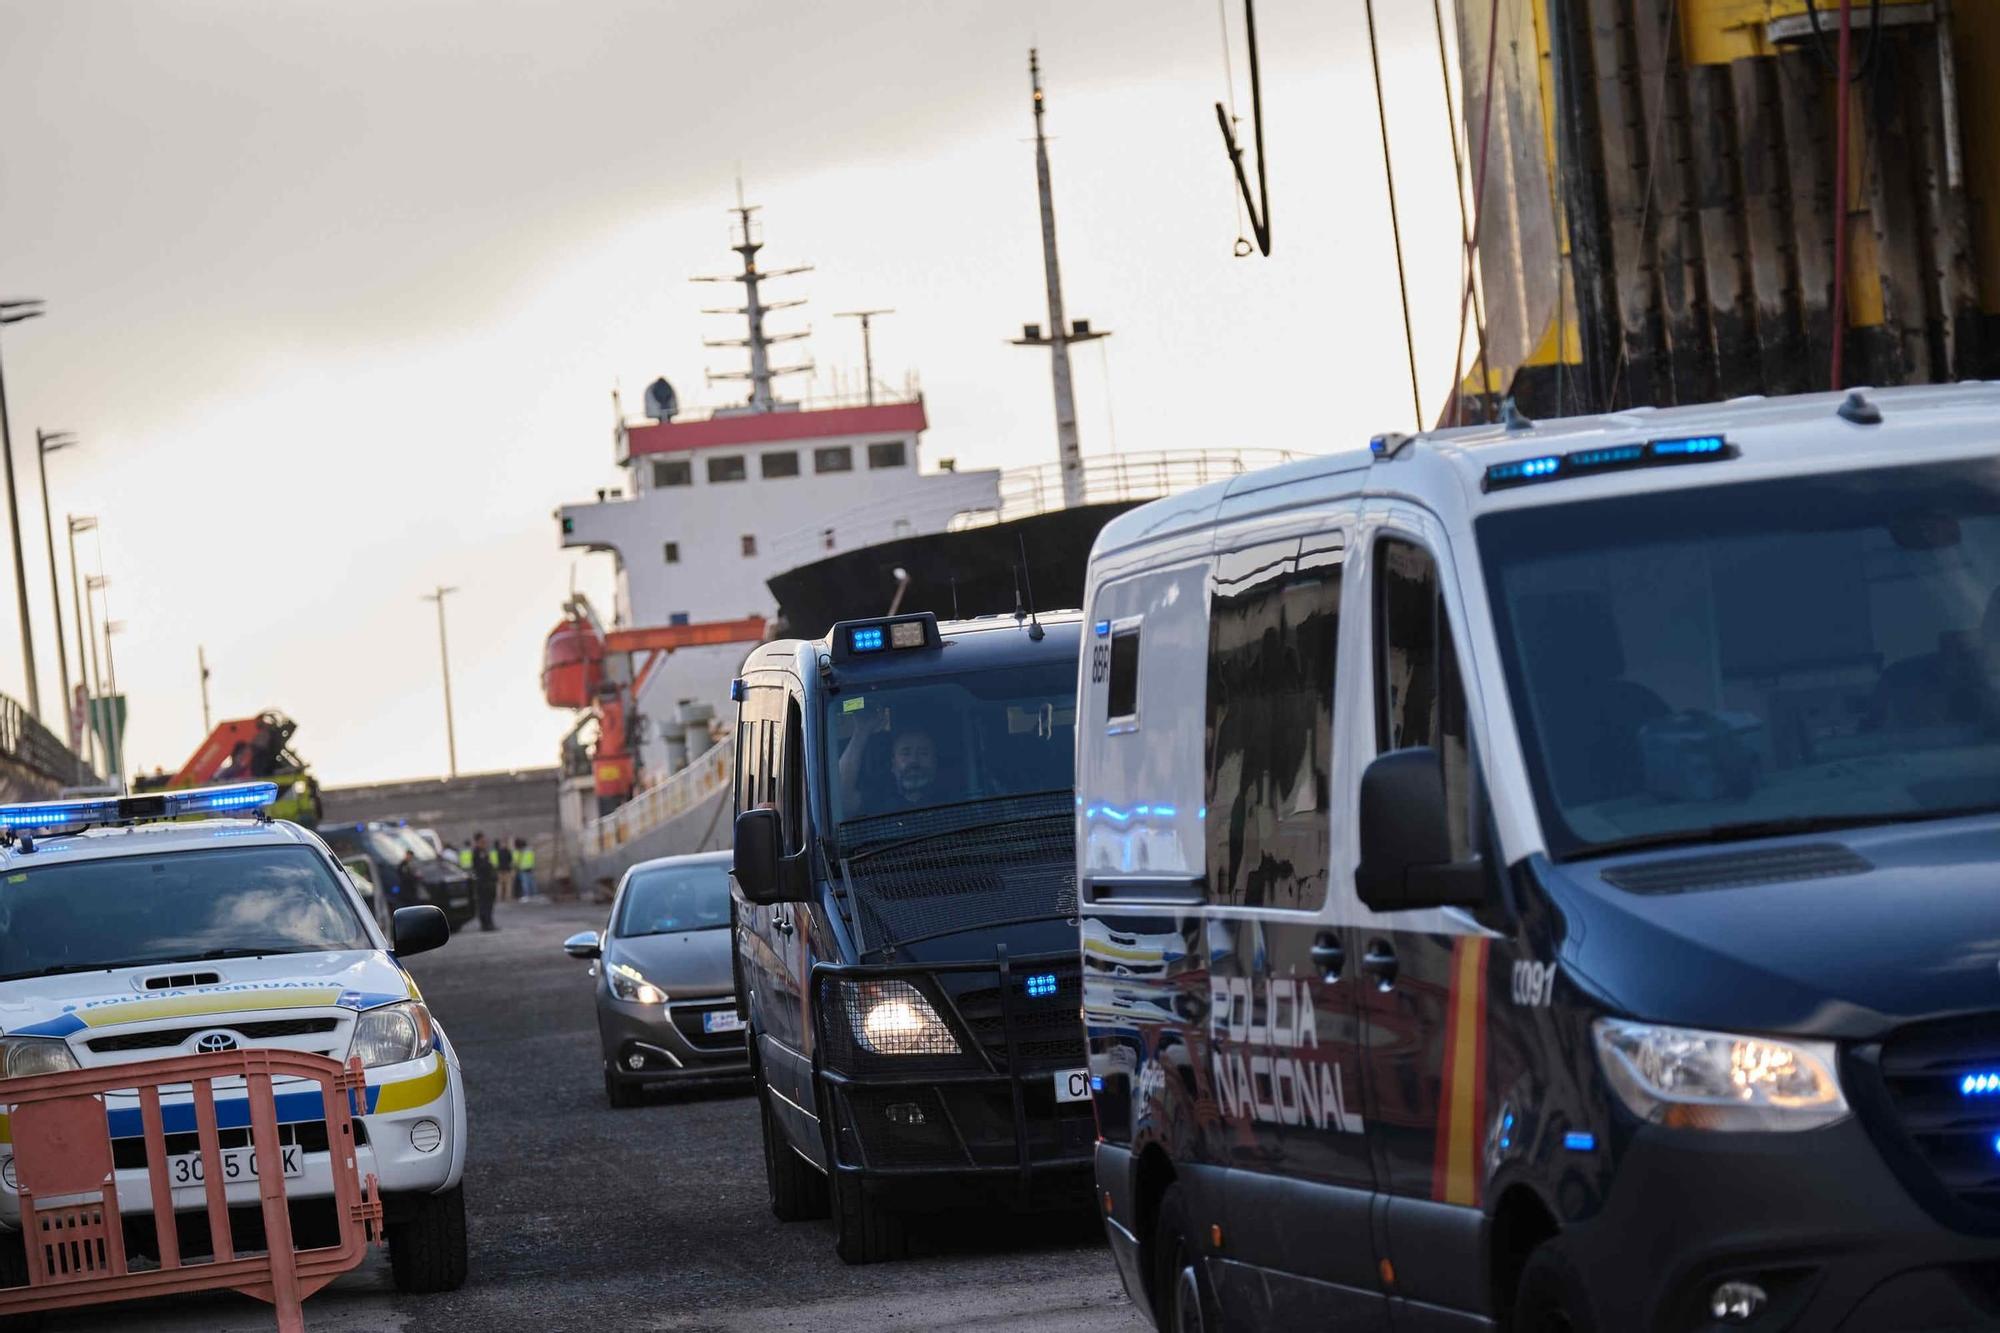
<point x="501" y="870"/>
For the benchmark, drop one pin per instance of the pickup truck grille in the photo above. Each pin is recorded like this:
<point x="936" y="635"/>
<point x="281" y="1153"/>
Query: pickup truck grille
<point x="160" y="1038"/>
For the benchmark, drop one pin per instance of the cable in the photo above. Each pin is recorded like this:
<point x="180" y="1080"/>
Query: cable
<point x="1395" y="224"/>
<point x="1469" y="236"/>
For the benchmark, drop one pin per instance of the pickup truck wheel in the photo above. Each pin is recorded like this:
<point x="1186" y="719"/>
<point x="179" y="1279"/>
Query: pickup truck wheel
<point x="796" y="1191"/>
<point x="427" y="1241"/>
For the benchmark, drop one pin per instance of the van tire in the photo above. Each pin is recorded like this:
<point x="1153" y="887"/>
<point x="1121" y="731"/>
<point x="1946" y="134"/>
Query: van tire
<point x="865" y="1230"/>
<point x="622" y="1095"/>
<point x="1552" y="1296"/>
<point x="1181" y="1301"/>
<point x="427" y="1241"/>
<point x="796" y="1191"/>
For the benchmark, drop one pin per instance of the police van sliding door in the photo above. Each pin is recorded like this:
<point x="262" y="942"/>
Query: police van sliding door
<point x="1284" y="1022"/>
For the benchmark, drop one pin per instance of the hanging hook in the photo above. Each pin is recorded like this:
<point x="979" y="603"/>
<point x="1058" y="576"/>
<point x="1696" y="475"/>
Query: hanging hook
<point x="1260" y="207"/>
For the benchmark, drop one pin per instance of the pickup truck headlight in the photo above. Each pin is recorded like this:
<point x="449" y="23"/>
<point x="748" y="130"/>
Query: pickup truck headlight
<point x="629" y="983"/>
<point x="392" y="1034"/>
<point x="1688" y="1079"/>
<point x="894" y="1018"/>
<point x="24" y="1057"/>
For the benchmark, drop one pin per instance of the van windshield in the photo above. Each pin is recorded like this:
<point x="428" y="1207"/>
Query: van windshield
<point x="124" y="911"/>
<point x="1770" y="657"/>
<point x="917" y="744"/>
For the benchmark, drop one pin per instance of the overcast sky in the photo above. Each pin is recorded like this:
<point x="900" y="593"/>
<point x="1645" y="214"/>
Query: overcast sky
<point x="338" y="292"/>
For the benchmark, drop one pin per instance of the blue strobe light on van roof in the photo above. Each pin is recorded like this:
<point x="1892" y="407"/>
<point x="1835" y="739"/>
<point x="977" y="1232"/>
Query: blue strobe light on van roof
<point x="1607" y="458"/>
<point x="865" y="638"/>
<point x="868" y="639"/>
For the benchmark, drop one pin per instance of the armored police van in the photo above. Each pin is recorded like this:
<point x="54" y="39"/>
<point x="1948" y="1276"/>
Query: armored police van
<point x="1545" y="876"/>
<point x="906" y="920"/>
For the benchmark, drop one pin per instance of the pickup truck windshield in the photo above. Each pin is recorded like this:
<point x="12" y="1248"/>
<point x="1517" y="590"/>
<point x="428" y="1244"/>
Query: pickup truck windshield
<point x="916" y="744"/>
<point x="1726" y="661"/>
<point x="128" y="911"/>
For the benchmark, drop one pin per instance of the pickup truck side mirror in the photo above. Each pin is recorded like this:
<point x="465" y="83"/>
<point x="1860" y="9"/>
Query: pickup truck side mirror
<point x="418" y="929"/>
<point x="765" y="874"/>
<point x="1406" y="853"/>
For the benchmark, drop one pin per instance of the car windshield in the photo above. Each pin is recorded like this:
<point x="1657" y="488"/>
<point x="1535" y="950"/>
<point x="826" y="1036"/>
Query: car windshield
<point x="905" y="745"/>
<point x="391" y="843"/>
<point x="1720" y="661"/>
<point x="663" y="899"/>
<point x="79" y="916"/>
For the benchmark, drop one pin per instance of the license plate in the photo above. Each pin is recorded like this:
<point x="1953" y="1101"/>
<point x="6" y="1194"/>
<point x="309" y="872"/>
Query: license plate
<point x="721" y="1020"/>
<point x="1073" y="1085"/>
<point x="186" y="1168"/>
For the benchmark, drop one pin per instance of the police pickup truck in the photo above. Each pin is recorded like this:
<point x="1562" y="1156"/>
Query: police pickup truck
<point x="175" y="923"/>
<point x="1544" y="876"/>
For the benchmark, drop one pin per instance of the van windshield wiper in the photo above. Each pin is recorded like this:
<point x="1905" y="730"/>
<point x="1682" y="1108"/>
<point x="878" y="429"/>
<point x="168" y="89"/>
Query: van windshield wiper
<point x="1751" y="829"/>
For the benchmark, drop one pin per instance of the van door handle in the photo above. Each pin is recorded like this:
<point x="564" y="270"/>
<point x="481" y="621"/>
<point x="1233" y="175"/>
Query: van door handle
<point x="1380" y="963"/>
<point x="1328" y="956"/>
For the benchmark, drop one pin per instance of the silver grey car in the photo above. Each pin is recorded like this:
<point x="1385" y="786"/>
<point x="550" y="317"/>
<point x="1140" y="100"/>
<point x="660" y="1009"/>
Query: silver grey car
<point x="666" y="1000"/>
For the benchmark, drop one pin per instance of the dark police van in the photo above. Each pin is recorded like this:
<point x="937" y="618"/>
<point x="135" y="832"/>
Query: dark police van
<point x="1545" y="877"/>
<point x="373" y="851"/>
<point x="906" y="920"/>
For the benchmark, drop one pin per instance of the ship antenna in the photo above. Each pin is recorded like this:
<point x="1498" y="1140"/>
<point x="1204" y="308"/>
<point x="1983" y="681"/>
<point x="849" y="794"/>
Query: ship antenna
<point x="954" y="597"/>
<point x="1035" y="630"/>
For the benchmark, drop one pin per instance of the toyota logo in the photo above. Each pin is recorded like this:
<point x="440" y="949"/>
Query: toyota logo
<point x="208" y="1043"/>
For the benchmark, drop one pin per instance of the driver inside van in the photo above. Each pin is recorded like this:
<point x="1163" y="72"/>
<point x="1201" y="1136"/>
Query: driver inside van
<point x="909" y="778"/>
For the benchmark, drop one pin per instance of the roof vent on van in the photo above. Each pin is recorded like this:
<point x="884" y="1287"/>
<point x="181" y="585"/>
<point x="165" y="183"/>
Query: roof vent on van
<point x="1738" y="869"/>
<point x="176" y="980"/>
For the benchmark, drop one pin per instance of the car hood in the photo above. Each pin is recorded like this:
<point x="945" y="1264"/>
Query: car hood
<point x="1865" y="930"/>
<point x="685" y="962"/>
<point x="57" y="1006"/>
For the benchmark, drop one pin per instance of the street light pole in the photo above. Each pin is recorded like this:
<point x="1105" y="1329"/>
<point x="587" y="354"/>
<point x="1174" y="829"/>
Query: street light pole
<point x="117" y="726"/>
<point x="444" y="657"/>
<point x="46" y="443"/>
<point x="87" y="668"/>
<point x="13" y="312"/>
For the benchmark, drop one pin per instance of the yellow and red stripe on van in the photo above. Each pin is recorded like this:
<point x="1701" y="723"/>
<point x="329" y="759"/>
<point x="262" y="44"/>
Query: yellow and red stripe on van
<point x="1461" y="1116"/>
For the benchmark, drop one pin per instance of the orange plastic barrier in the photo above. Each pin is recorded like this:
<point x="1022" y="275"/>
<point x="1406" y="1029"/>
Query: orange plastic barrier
<point x="70" y="1220"/>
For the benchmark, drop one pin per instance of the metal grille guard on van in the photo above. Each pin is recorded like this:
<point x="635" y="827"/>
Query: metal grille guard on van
<point x="1000" y="1053"/>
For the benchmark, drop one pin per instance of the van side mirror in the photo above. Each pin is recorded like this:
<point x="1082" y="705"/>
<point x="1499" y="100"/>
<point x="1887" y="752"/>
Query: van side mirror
<point x="1406" y="838"/>
<point x="765" y="874"/>
<point x="418" y="929"/>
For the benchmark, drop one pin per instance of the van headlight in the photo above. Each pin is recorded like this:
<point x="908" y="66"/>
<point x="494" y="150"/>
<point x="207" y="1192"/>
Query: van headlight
<point x="1688" y="1079"/>
<point x="392" y="1034"/>
<point x="629" y="983"/>
<point x="25" y="1057"/>
<point x="894" y="1018"/>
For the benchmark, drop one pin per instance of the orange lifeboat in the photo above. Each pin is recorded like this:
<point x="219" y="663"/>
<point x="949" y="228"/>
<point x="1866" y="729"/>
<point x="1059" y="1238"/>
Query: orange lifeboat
<point x="572" y="664"/>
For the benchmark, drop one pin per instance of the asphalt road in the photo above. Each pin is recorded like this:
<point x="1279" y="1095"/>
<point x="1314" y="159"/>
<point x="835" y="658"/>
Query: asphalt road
<point x="582" y="1217"/>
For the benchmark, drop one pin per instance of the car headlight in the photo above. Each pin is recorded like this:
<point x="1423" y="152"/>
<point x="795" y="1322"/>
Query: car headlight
<point x="894" y="1018"/>
<point x="1713" y="1080"/>
<point x="24" y="1057"/>
<point x="629" y="983"/>
<point x="392" y="1034"/>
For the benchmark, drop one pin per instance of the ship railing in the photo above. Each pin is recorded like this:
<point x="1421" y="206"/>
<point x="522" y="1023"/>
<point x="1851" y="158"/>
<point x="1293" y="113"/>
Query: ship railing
<point x="931" y="507"/>
<point x="1117" y="478"/>
<point x="709" y="773"/>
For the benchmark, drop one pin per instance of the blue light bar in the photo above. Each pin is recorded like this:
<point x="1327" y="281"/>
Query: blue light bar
<point x="1618" y="455"/>
<point x="1985" y="1083"/>
<point x="1608" y="458"/>
<point x="1580" y="1140"/>
<point x="1041" y="985"/>
<point x="1526" y="469"/>
<point x="867" y="639"/>
<point x="58" y="814"/>
<point x="222" y="800"/>
<point x="1691" y="448"/>
<point x="42" y="816"/>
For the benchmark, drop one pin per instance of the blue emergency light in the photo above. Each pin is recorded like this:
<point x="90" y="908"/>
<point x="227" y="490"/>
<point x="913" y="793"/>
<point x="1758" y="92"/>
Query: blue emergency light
<point x="866" y="638"/>
<point x="1608" y="458"/>
<point x="1041" y="985"/>
<point x="42" y="816"/>
<point x="1985" y="1083"/>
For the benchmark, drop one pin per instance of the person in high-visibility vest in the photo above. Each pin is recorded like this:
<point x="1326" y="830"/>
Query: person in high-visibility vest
<point x="465" y="858"/>
<point x="524" y="868"/>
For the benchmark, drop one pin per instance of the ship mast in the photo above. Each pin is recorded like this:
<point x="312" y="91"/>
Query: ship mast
<point x="760" y="374"/>
<point x="1061" y="334"/>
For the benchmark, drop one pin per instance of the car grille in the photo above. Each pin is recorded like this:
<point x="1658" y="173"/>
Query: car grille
<point x="1952" y="1127"/>
<point x="268" y="1030"/>
<point x="687" y="1018"/>
<point x="1047" y="1030"/>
